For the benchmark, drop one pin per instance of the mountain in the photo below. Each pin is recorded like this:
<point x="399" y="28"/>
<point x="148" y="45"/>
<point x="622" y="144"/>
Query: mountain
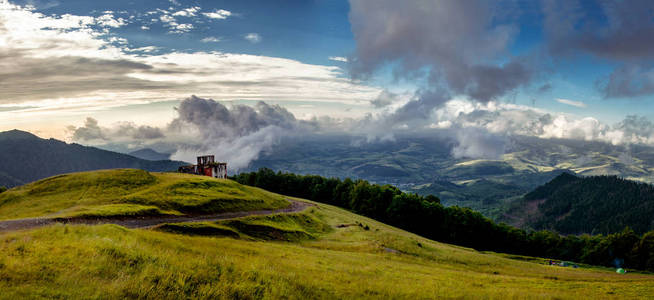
<point x="414" y="160"/>
<point x="25" y="157"/>
<point x="596" y="204"/>
<point x="426" y="165"/>
<point x="150" y="154"/>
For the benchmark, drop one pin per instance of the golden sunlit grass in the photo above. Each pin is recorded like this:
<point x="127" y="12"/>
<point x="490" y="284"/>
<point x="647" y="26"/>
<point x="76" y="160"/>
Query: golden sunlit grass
<point x="128" y="192"/>
<point x="337" y="258"/>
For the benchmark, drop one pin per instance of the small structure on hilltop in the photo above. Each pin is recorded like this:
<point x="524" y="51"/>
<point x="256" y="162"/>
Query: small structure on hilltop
<point x="206" y="166"/>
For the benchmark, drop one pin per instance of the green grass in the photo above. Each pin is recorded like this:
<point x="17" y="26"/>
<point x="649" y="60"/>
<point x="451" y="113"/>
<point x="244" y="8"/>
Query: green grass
<point x="127" y="192"/>
<point x="338" y="258"/>
<point x="278" y="227"/>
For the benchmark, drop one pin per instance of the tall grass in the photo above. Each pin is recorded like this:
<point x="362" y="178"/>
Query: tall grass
<point x="343" y="260"/>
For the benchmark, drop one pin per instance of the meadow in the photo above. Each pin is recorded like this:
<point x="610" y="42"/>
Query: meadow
<point x="323" y="252"/>
<point x="128" y="193"/>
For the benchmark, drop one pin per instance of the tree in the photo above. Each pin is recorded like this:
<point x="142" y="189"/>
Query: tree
<point x="2" y="189"/>
<point x="644" y="252"/>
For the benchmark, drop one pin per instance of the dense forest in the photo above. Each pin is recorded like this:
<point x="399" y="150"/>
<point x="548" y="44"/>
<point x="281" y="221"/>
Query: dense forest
<point x="425" y="215"/>
<point x="594" y="204"/>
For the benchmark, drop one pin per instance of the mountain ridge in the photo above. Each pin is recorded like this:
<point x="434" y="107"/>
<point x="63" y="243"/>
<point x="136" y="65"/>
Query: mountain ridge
<point x="25" y="157"/>
<point x="573" y="204"/>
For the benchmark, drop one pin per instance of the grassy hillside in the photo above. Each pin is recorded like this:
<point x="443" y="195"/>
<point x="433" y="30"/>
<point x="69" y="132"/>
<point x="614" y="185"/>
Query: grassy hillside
<point x="128" y="192"/>
<point x="321" y="253"/>
<point x="595" y="204"/>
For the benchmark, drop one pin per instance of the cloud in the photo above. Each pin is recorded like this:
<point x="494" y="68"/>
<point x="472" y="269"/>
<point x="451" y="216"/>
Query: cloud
<point x="218" y="14"/>
<point x="122" y="131"/>
<point x="167" y="18"/>
<point x="187" y="12"/>
<point x="338" y="58"/>
<point x="571" y="103"/>
<point x="211" y="39"/>
<point x="477" y="143"/>
<point x="619" y="32"/>
<point x="175" y="27"/>
<point x="545" y="88"/>
<point x="628" y="81"/>
<point x="384" y="99"/>
<point x="237" y="134"/>
<point x="109" y="20"/>
<point x="70" y="63"/>
<point x="252" y="38"/>
<point x="445" y="38"/>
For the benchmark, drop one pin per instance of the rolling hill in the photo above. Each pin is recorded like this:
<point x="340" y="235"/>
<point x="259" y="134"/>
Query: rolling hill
<point x="129" y="193"/>
<point x="25" y="157"/>
<point x="322" y="252"/>
<point x="596" y="204"/>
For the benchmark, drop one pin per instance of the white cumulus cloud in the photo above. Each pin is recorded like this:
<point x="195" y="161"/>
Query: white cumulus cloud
<point x="252" y="37"/>
<point x="338" y="58"/>
<point x="211" y="39"/>
<point x="219" y="14"/>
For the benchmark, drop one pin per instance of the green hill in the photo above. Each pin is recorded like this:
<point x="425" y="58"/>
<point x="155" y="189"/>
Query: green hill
<point x="323" y="252"/>
<point x="128" y="192"/>
<point x="594" y="204"/>
<point x="25" y="157"/>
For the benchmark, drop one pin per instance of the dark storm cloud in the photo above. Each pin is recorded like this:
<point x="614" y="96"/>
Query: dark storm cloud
<point x="384" y="99"/>
<point x="237" y="134"/>
<point x="215" y="120"/>
<point x="456" y="40"/>
<point x="545" y="88"/>
<point x="620" y="30"/>
<point x="627" y="81"/>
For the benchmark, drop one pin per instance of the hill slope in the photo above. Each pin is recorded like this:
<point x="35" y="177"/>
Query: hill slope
<point x="595" y="204"/>
<point x="128" y="192"/>
<point x="321" y="253"/>
<point x="25" y="157"/>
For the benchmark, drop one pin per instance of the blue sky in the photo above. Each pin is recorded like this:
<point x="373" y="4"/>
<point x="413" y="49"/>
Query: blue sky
<point x="308" y="31"/>
<point x="144" y="57"/>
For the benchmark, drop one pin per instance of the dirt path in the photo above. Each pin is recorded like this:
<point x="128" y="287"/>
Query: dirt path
<point x="144" y="222"/>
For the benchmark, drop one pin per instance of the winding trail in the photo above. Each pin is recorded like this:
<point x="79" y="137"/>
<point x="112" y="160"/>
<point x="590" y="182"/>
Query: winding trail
<point x="146" y="221"/>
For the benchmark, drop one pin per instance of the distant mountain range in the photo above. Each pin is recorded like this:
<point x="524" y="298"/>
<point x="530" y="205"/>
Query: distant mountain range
<point x="25" y="157"/>
<point x="150" y="154"/>
<point x="596" y="204"/>
<point x="425" y="165"/>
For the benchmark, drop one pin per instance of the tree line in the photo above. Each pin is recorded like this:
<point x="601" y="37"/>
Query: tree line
<point x="426" y="216"/>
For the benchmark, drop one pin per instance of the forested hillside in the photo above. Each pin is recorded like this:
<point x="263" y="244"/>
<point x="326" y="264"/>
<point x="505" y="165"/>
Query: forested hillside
<point x="25" y="157"/>
<point x="595" y="204"/>
<point x="425" y="215"/>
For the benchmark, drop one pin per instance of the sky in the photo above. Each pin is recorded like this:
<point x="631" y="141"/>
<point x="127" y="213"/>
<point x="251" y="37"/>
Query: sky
<point x="123" y="72"/>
